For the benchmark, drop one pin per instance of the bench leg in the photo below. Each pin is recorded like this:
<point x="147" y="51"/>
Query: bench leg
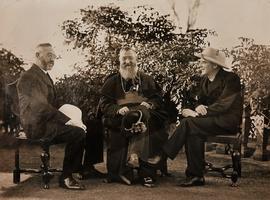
<point x="17" y="170"/>
<point x="46" y="175"/>
<point x="247" y="151"/>
<point x="236" y="164"/>
<point x="265" y="156"/>
<point x="164" y="170"/>
<point x="261" y="146"/>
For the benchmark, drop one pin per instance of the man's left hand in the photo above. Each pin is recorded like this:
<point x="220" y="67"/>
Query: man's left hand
<point x="77" y="124"/>
<point x="201" y="109"/>
<point x="189" y="113"/>
<point x="147" y="105"/>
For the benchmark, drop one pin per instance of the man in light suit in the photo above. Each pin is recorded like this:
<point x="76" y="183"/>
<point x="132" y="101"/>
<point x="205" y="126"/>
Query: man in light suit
<point x="41" y="119"/>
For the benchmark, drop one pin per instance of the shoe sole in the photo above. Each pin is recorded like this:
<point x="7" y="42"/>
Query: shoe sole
<point x="67" y="188"/>
<point x="125" y="180"/>
<point x="149" y="185"/>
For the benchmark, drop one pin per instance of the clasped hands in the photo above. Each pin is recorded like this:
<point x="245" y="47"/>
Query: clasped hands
<point x="199" y="110"/>
<point x="125" y="109"/>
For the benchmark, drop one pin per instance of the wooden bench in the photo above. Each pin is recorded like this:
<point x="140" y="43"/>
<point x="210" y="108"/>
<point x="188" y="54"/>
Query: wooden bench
<point x="233" y="144"/>
<point x="233" y="148"/>
<point x="45" y="170"/>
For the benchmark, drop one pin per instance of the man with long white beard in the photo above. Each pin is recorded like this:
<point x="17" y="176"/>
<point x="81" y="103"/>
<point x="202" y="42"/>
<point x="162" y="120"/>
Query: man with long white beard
<point x="132" y="108"/>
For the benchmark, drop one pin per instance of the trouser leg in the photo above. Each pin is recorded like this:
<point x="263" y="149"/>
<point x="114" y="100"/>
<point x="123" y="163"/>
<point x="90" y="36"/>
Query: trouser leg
<point x="203" y="127"/>
<point x="93" y="143"/>
<point x="199" y="130"/>
<point x="146" y="171"/>
<point x="195" y="155"/>
<point x="74" y="139"/>
<point x="192" y="132"/>
<point x="177" y="140"/>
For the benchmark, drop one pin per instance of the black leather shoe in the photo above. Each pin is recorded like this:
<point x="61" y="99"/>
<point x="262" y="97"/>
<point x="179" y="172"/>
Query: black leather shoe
<point x="109" y="180"/>
<point x="70" y="183"/>
<point x="91" y="173"/>
<point x="148" y="182"/>
<point x="192" y="181"/>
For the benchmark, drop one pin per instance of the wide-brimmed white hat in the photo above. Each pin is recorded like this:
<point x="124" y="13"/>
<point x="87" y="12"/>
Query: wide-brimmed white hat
<point x="73" y="112"/>
<point x="215" y="56"/>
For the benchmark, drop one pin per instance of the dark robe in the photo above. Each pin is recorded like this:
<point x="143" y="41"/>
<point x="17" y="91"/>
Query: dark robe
<point x="112" y="91"/>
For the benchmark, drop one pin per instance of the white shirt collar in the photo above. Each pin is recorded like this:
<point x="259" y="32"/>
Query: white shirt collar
<point x="46" y="72"/>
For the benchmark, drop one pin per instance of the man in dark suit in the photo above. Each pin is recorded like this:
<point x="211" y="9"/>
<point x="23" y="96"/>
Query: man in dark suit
<point x="218" y="110"/>
<point x="41" y="119"/>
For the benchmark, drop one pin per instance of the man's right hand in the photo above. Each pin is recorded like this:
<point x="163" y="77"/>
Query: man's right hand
<point x="189" y="113"/>
<point x="123" y="111"/>
<point x="75" y="123"/>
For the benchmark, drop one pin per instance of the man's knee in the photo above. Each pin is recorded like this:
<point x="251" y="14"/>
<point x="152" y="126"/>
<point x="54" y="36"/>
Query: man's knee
<point x="188" y="125"/>
<point x="186" y="121"/>
<point x="191" y="121"/>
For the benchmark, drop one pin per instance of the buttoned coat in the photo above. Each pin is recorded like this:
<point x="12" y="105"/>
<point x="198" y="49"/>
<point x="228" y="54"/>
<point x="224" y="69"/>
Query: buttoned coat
<point x="37" y="104"/>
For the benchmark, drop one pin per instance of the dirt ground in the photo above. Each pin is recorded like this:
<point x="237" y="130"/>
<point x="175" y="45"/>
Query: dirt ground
<point x="255" y="183"/>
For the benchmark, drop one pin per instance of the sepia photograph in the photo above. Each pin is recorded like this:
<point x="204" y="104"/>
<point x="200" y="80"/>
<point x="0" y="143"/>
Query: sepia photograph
<point x="134" y="99"/>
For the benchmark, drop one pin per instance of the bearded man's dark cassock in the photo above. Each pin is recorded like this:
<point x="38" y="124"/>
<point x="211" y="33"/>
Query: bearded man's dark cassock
<point x="117" y="93"/>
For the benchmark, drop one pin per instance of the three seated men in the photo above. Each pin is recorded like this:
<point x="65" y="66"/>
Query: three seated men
<point x="133" y="112"/>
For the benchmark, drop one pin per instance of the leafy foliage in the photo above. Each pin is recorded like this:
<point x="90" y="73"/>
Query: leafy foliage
<point x="101" y="32"/>
<point x="10" y="65"/>
<point x="252" y="63"/>
<point x="10" y="69"/>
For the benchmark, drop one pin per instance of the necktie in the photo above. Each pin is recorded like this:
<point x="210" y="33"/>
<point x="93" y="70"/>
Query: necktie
<point x="49" y="77"/>
<point x="54" y="92"/>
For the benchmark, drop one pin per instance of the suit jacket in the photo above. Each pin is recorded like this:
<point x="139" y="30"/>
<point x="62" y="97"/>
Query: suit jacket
<point x="37" y="103"/>
<point x="223" y="98"/>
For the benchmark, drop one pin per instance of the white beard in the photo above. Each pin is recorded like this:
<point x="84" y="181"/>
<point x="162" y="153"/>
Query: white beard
<point x="129" y="73"/>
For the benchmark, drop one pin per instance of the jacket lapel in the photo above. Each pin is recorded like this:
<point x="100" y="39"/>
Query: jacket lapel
<point x="42" y="75"/>
<point x="45" y="79"/>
